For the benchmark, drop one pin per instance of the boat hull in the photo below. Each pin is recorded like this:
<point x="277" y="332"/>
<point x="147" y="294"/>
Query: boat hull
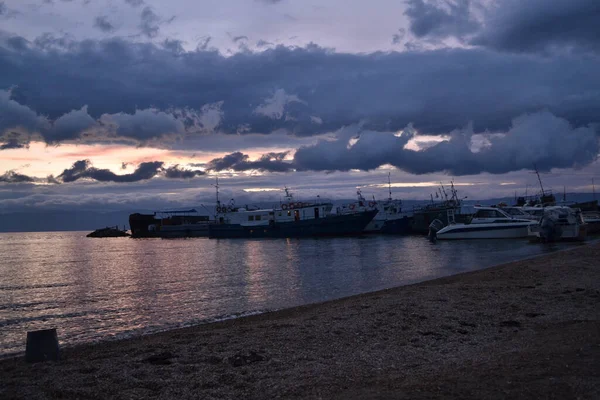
<point x="399" y="226"/>
<point x="463" y="231"/>
<point x="183" y="231"/>
<point x="176" y="227"/>
<point x="423" y="218"/>
<point x="333" y="225"/>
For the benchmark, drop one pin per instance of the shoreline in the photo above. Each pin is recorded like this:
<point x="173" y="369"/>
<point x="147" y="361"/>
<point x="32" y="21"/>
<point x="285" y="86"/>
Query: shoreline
<point x="249" y="313"/>
<point x="426" y="339"/>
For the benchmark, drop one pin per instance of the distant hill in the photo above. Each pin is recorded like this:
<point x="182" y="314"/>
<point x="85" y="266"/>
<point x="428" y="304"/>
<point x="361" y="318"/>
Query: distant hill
<point x="44" y="221"/>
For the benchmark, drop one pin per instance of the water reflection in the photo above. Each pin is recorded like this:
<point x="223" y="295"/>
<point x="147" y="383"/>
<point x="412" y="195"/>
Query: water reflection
<point x="98" y="288"/>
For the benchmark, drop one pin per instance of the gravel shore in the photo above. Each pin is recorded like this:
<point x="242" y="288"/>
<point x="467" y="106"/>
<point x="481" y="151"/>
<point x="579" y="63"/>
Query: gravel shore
<point x="528" y="329"/>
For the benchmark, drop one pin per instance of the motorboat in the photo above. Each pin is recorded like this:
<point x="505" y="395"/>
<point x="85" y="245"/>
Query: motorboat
<point x="485" y="223"/>
<point x="560" y="223"/>
<point x="592" y="219"/>
<point x="531" y="213"/>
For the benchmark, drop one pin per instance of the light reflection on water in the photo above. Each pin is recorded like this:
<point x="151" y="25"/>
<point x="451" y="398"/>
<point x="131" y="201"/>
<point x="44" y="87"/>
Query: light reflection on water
<point x="92" y="289"/>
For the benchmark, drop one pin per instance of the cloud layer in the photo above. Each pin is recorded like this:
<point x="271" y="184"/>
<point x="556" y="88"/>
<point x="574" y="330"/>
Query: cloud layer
<point x="284" y="88"/>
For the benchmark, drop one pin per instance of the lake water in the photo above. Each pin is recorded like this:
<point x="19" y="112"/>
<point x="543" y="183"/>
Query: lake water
<point x="98" y="289"/>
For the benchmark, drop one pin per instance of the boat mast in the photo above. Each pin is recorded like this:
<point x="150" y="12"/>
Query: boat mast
<point x="443" y="191"/>
<point x="389" y="187"/>
<point x="217" y="190"/>
<point x="539" y="179"/>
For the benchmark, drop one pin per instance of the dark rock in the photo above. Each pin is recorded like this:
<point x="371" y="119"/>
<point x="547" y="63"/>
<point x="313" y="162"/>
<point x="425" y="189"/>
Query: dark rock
<point x="511" y="323"/>
<point x="429" y="333"/>
<point x="160" y="359"/>
<point x="42" y="346"/>
<point x="533" y="314"/>
<point x="469" y="324"/>
<point x="239" y="359"/>
<point x="214" y="360"/>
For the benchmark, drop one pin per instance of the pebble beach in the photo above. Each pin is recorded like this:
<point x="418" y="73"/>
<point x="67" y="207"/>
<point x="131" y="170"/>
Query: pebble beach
<point x="527" y="329"/>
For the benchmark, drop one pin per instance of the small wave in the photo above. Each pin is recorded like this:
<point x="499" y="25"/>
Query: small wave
<point x="41" y="286"/>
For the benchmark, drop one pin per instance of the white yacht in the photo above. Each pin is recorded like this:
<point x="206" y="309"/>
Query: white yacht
<point x="486" y="223"/>
<point x="532" y="213"/>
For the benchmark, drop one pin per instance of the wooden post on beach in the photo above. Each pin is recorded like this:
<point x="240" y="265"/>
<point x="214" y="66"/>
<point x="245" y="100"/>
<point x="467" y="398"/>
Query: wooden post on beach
<point x="42" y="346"/>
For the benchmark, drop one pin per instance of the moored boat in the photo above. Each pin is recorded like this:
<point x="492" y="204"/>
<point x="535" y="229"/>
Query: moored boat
<point x="169" y="224"/>
<point x="446" y="211"/>
<point x="560" y="223"/>
<point x="390" y="217"/>
<point x="290" y="219"/>
<point x="486" y="223"/>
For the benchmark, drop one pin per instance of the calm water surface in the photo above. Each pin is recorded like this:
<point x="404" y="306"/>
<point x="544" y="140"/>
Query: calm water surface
<point x="97" y="289"/>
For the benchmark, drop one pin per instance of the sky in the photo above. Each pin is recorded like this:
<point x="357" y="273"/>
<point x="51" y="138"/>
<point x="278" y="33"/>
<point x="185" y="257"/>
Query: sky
<point x="125" y="104"/>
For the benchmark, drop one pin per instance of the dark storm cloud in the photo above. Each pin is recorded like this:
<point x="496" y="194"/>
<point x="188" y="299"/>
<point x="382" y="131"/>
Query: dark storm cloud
<point x="509" y="25"/>
<point x="149" y="22"/>
<point x="14" y="142"/>
<point x="398" y="37"/>
<point x="538" y="25"/>
<point x="436" y="90"/>
<point x="540" y="138"/>
<point x="437" y="19"/>
<point x="101" y="22"/>
<point x="173" y="45"/>
<point x="237" y="161"/>
<point x="175" y="172"/>
<point x="15" y="177"/>
<point x="134" y="3"/>
<point x="84" y="169"/>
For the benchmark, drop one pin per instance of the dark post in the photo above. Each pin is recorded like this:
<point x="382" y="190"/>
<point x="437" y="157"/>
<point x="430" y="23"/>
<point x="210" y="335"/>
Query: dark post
<point x="42" y="346"/>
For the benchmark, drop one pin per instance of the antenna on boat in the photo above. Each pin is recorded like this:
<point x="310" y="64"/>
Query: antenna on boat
<point x="564" y="194"/>
<point x="389" y="187"/>
<point x="288" y="195"/>
<point x="443" y="191"/>
<point x="539" y="179"/>
<point x="453" y="190"/>
<point x="217" y="190"/>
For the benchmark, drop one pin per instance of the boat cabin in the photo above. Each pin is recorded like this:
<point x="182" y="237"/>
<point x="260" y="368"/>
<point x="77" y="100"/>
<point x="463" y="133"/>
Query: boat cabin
<point x="286" y="212"/>
<point x="486" y="215"/>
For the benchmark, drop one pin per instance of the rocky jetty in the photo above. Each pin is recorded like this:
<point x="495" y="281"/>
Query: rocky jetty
<point x="108" y="232"/>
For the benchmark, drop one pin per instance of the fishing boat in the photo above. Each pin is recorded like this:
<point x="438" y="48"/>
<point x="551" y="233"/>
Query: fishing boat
<point x="169" y="224"/>
<point x="560" y="223"/>
<point x="290" y="219"/>
<point x="390" y="217"/>
<point x="451" y="205"/>
<point x="486" y="223"/>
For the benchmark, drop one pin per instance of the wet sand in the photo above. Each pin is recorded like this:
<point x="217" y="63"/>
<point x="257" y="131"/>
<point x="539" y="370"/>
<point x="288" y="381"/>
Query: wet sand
<point x="528" y="329"/>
